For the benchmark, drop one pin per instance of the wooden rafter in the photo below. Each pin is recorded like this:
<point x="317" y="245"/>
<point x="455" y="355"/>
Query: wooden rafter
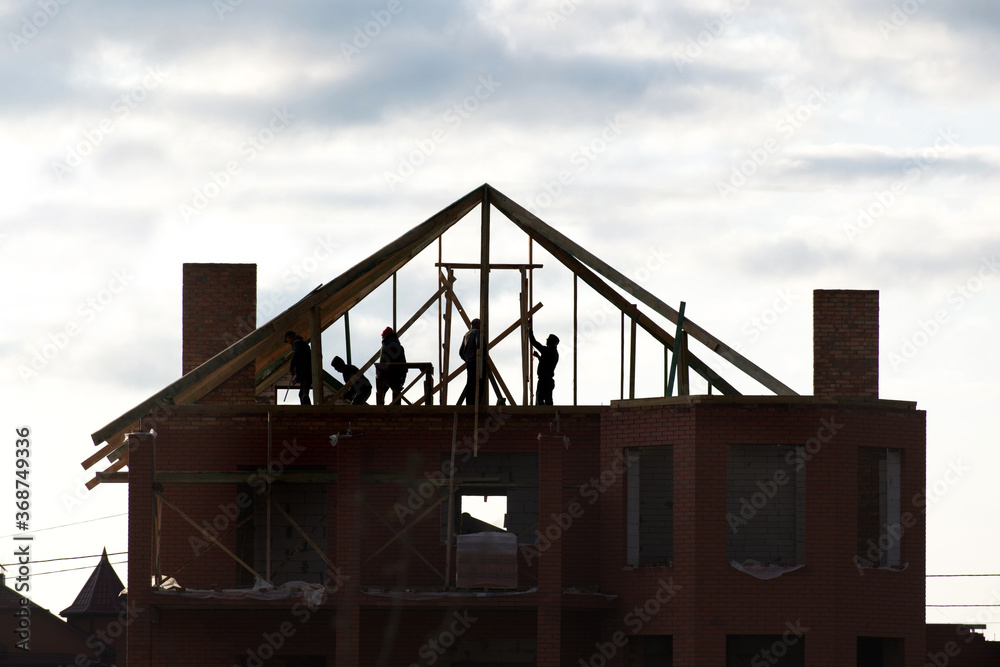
<point x="538" y="230"/>
<point x="370" y="271"/>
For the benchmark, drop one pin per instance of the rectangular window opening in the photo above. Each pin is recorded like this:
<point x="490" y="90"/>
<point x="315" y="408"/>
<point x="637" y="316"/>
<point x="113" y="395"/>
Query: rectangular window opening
<point x="650" y="506"/>
<point x="765" y="504"/>
<point x="880" y="531"/>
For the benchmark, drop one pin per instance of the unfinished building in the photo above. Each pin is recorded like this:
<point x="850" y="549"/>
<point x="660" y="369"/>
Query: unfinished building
<point x="677" y="529"/>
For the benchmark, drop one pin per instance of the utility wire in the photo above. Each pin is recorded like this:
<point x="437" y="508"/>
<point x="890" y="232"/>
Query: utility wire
<point x="52" y="560"/>
<point x="71" y="569"/>
<point x="65" y="525"/>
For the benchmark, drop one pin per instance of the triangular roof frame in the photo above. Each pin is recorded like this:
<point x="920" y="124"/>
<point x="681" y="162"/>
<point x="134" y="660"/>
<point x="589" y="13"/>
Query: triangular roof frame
<point x="266" y="346"/>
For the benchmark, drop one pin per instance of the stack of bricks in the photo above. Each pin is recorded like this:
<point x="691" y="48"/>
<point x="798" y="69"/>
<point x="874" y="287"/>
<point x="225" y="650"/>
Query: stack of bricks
<point x="219" y="308"/>
<point x="845" y="343"/>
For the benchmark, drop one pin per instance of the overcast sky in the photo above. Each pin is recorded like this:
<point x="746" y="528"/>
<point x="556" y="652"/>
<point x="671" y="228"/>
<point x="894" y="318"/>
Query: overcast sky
<point x="735" y="155"/>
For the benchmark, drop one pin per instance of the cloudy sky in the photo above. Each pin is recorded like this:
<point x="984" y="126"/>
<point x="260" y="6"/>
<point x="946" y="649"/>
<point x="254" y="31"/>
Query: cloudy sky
<point x="731" y="154"/>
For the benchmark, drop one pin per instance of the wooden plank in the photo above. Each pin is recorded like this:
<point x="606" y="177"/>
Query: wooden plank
<point x="306" y="537"/>
<point x="677" y="349"/>
<point x="209" y="536"/>
<point x="576" y="321"/>
<point x="683" y="381"/>
<point x="405" y="529"/>
<point x="114" y="467"/>
<point x="114" y="442"/>
<point x="405" y="543"/>
<point x="416" y="316"/>
<point x="460" y="265"/>
<point x="496" y="377"/>
<point x="654" y="329"/>
<point x="526" y="220"/>
<point x="316" y="358"/>
<point x="484" y="309"/>
<point x="216" y="370"/>
<point x="493" y="343"/>
<point x="622" y="375"/>
<point x="446" y="345"/>
<point x="347" y="335"/>
<point x="525" y="343"/>
<point x="631" y="372"/>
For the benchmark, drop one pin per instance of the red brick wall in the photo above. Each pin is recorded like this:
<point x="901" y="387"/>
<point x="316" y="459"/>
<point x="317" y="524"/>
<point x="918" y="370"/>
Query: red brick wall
<point x="830" y="595"/>
<point x="845" y="343"/>
<point x="709" y="599"/>
<point x="219" y="308"/>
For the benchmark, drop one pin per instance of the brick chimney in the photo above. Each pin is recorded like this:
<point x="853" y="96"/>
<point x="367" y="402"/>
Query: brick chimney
<point x="219" y="308"/>
<point x="845" y="343"/>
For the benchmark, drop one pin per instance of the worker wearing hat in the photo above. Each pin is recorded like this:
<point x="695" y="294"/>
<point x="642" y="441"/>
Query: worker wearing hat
<point x="387" y="378"/>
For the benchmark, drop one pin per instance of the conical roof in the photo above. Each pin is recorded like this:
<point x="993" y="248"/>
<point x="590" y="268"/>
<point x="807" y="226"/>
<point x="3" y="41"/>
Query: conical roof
<point x="100" y="595"/>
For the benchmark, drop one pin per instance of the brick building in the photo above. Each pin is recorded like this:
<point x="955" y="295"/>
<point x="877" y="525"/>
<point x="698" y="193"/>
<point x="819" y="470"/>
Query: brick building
<point x="714" y="529"/>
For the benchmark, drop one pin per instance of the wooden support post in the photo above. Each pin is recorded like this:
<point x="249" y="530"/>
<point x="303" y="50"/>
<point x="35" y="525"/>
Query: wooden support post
<point x="631" y="374"/>
<point x="576" y="280"/>
<point x="666" y="368"/>
<point x="525" y="343"/>
<point x="506" y="332"/>
<point x="406" y="543"/>
<point x="305" y="536"/>
<point x="208" y="536"/>
<point x="316" y="341"/>
<point x="440" y="279"/>
<point x="531" y="301"/>
<point x="621" y="388"/>
<point x="445" y="364"/>
<point x="347" y="335"/>
<point x="484" y="317"/>
<point x="683" y="384"/>
<point x="393" y="300"/>
<point x="677" y="349"/>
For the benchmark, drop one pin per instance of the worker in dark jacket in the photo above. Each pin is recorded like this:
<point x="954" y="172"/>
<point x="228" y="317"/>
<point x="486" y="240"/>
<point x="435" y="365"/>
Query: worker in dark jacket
<point x="548" y="357"/>
<point x="469" y="352"/>
<point x="301" y="366"/>
<point x="390" y="378"/>
<point x="357" y="393"/>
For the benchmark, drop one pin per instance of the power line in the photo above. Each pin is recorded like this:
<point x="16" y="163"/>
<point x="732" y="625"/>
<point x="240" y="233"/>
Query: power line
<point x="962" y="605"/>
<point x="65" y="525"/>
<point x="71" y="569"/>
<point x="52" y="560"/>
<point x="962" y="575"/>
